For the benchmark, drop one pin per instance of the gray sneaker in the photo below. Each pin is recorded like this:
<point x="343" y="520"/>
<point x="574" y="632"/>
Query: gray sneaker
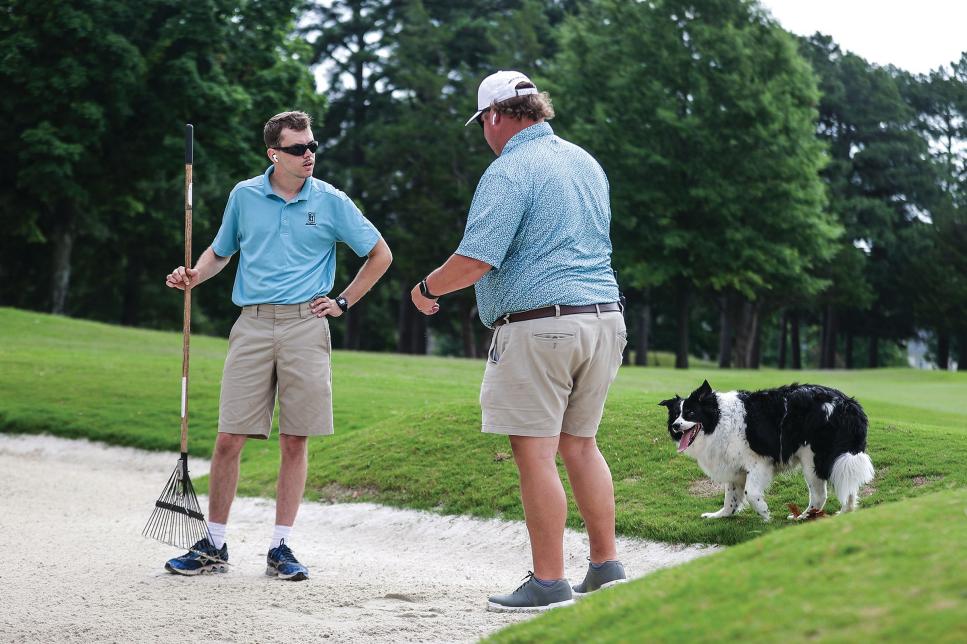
<point x="608" y="574"/>
<point x="532" y="597"/>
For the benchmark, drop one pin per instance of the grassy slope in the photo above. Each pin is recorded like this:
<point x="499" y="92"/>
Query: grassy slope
<point x="889" y="573"/>
<point x="408" y="427"/>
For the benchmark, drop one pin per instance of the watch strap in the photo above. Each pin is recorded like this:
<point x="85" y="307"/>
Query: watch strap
<point x="425" y="291"/>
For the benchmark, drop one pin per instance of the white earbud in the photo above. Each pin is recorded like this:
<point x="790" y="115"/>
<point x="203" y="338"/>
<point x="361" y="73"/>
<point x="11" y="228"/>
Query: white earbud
<point x="275" y="157"/>
<point x="493" y="119"/>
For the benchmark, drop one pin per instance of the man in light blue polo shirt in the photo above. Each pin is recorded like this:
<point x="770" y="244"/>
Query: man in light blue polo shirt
<point x="537" y="246"/>
<point x="284" y="225"/>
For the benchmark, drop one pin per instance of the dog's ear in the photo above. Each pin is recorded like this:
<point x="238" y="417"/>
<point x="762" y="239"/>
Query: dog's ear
<point x="667" y="403"/>
<point x="705" y="389"/>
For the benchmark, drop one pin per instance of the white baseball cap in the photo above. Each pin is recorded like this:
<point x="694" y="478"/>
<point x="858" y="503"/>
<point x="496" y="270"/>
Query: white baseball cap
<point x="498" y="87"/>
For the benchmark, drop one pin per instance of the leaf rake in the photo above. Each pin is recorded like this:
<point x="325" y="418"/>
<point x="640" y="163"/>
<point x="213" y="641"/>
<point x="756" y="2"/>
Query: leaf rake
<point x="177" y="519"/>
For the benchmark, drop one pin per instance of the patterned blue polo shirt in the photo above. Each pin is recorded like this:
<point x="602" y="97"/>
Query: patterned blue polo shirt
<point x="288" y="248"/>
<point x="541" y="217"/>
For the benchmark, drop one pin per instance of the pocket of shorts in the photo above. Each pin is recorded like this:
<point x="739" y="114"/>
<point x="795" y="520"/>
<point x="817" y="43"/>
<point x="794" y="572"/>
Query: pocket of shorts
<point x="231" y="334"/>
<point x="620" y="357"/>
<point x="493" y="354"/>
<point x="327" y="336"/>
<point x="553" y="339"/>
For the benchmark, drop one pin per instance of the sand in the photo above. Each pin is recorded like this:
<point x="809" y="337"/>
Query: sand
<point x="74" y="566"/>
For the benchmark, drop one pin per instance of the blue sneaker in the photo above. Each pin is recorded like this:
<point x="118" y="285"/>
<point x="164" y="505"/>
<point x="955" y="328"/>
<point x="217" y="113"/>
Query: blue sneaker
<point x="281" y="563"/>
<point x="203" y="557"/>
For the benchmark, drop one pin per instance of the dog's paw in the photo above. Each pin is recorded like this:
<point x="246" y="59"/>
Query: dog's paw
<point x="712" y="515"/>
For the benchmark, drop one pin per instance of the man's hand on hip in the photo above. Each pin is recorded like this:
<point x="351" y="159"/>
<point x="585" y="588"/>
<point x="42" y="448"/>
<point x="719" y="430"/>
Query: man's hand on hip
<point x="325" y="307"/>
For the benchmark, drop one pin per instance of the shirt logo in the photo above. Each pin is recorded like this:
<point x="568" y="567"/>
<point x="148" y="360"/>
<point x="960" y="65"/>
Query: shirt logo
<point x="310" y="219"/>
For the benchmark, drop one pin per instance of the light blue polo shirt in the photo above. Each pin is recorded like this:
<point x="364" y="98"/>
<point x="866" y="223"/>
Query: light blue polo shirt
<point x="541" y="216"/>
<point x="287" y="250"/>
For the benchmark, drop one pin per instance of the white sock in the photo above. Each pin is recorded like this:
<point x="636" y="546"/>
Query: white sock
<point x="216" y="533"/>
<point x="281" y="532"/>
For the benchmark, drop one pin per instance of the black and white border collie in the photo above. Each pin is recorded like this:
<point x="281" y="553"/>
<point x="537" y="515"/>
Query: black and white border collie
<point x="742" y="439"/>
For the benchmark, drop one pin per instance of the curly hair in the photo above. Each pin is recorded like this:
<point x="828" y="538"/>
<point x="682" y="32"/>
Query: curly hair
<point x="532" y="106"/>
<point x="272" y="134"/>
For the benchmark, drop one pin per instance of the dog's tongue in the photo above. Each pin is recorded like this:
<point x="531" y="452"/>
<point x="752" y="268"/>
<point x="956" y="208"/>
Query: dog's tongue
<point x="683" y="441"/>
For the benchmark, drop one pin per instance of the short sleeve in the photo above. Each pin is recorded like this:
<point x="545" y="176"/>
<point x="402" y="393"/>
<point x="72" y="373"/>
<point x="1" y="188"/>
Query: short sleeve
<point x="227" y="240"/>
<point x="352" y="228"/>
<point x="495" y="214"/>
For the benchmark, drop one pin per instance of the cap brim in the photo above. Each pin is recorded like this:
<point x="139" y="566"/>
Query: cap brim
<point x="473" y="118"/>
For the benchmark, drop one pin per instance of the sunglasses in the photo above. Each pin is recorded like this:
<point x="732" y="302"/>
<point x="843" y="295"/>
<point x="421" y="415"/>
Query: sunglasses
<point x="300" y="148"/>
<point x="480" y="117"/>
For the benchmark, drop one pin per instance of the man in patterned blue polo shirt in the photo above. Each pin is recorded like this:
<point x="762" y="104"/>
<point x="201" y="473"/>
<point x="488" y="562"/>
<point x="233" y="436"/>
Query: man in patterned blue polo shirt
<point x="538" y="249"/>
<point x="284" y="225"/>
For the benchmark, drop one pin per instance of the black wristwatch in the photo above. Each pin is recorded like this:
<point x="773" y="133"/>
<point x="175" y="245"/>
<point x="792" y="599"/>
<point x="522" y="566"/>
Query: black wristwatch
<point x="425" y="292"/>
<point x="342" y="303"/>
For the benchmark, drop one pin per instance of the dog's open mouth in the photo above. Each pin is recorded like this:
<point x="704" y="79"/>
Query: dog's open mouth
<point x="689" y="437"/>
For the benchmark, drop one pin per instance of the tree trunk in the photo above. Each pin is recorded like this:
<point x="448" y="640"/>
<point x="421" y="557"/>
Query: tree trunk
<point x="642" y="330"/>
<point x="746" y="330"/>
<point x="848" y="350"/>
<point x="794" y="341"/>
<point x="726" y="331"/>
<point x="783" y="328"/>
<point x="403" y="323"/>
<point x="131" y="293"/>
<point x="827" y="355"/>
<point x="943" y="349"/>
<point x="353" y="326"/>
<point x="466" y="332"/>
<point x="63" y="238"/>
<point x="873" y="357"/>
<point x="681" y="353"/>
<point x="756" y="359"/>
<point x="962" y="352"/>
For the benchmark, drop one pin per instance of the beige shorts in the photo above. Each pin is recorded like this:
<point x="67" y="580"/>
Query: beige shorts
<point x="551" y="375"/>
<point x="280" y="348"/>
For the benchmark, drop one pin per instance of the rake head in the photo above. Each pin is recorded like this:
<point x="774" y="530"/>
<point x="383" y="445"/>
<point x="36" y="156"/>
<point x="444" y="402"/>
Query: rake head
<point x="177" y="519"/>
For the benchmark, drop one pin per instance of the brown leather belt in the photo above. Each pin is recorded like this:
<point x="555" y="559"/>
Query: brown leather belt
<point x="555" y="311"/>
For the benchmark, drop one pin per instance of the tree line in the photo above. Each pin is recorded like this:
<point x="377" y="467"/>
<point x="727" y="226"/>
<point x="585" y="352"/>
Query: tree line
<point x="776" y="200"/>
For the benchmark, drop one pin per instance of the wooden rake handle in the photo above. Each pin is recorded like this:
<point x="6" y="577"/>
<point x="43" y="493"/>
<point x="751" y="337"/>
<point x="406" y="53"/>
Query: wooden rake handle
<point x="186" y="331"/>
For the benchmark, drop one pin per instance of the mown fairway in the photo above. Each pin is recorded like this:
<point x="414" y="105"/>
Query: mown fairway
<point x="407" y="428"/>
<point x="407" y="434"/>
<point x="889" y="573"/>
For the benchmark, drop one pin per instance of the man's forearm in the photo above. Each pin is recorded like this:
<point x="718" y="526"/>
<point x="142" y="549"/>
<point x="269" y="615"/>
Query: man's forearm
<point x="378" y="260"/>
<point x="458" y="272"/>
<point x="208" y="265"/>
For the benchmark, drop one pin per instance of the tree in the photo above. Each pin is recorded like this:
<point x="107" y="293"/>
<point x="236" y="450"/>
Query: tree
<point x="224" y="66"/>
<point x="703" y="116"/>
<point x="879" y="181"/>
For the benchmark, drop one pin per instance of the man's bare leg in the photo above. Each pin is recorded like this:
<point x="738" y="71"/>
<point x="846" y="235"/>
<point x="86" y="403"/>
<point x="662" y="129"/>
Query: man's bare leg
<point x="545" y="506"/>
<point x="292" y="478"/>
<point x="223" y="477"/>
<point x="590" y="479"/>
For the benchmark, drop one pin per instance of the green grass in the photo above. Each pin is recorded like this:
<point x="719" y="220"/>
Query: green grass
<point x="408" y="427"/>
<point x="890" y="573"/>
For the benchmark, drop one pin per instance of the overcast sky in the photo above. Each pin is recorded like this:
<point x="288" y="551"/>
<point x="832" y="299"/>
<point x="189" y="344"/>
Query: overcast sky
<point x="915" y="35"/>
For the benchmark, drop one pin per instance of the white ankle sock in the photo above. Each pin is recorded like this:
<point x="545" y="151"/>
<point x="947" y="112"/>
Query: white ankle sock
<point x="216" y="532"/>
<point x="281" y="532"/>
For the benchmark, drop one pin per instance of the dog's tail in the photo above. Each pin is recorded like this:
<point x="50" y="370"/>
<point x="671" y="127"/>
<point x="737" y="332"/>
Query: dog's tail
<point x="850" y="471"/>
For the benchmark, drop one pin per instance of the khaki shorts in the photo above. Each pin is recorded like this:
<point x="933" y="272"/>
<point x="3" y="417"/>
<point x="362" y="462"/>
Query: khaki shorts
<point x="280" y="348"/>
<point x="551" y="375"/>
